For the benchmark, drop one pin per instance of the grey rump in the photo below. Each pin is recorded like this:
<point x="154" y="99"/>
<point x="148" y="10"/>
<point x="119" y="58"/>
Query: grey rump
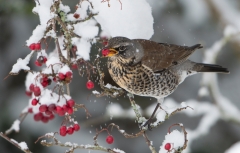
<point x="152" y="69"/>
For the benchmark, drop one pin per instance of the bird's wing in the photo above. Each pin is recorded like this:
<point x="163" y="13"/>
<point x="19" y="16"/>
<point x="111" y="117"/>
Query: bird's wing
<point x="161" y="56"/>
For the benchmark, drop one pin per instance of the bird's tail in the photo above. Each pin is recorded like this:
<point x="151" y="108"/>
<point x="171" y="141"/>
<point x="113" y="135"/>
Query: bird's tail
<point x="200" y="67"/>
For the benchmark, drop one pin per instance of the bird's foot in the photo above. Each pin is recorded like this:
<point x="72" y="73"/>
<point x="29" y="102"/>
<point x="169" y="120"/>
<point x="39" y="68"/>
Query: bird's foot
<point x="146" y="125"/>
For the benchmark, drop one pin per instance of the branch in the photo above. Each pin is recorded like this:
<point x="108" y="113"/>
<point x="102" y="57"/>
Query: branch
<point x="22" y="145"/>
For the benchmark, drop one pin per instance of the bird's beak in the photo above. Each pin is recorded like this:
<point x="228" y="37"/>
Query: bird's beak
<point x="109" y="52"/>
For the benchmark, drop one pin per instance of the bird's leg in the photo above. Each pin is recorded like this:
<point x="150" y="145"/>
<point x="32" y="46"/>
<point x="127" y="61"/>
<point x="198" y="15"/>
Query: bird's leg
<point x="149" y="121"/>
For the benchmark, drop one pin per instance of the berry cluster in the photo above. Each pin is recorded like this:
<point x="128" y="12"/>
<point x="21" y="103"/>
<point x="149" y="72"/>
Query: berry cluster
<point x="63" y="131"/>
<point x="65" y="77"/>
<point x="35" y="46"/>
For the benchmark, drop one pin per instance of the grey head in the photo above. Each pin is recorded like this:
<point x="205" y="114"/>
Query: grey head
<point x="126" y="49"/>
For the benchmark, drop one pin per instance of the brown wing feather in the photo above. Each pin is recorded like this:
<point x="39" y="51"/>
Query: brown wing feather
<point x="160" y="56"/>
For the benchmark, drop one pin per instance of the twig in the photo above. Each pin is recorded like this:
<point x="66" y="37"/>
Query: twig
<point x="14" y="143"/>
<point x="149" y="143"/>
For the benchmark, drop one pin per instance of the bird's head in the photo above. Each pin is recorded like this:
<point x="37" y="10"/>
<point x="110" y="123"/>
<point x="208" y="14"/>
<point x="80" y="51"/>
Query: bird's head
<point x="124" y="48"/>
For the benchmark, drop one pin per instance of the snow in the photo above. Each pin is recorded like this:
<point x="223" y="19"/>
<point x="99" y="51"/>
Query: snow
<point x="161" y="116"/>
<point x="65" y="69"/>
<point x="230" y="30"/>
<point x="175" y="138"/>
<point x="23" y="145"/>
<point x="203" y="91"/>
<point x="21" y="64"/>
<point x="118" y="150"/>
<point x="83" y="48"/>
<point x="95" y="92"/>
<point x="134" y="20"/>
<point x="234" y="148"/>
<point x="109" y="86"/>
<point x="15" y="126"/>
<point x="87" y="29"/>
<point x="43" y="11"/>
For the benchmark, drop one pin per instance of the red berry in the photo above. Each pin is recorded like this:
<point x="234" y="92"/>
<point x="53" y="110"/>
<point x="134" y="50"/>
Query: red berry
<point x="47" y="112"/>
<point x="69" y="75"/>
<point x="61" y="76"/>
<point x="105" y="52"/>
<point x="51" y="117"/>
<point x="70" y="110"/>
<point x="37" y="63"/>
<point x="90" y="84"/>
<point x="74" y="66"/>
<point x="30" y="110"/>
<point x="31" y="87"/>
<point x="105" y="43"/>
<point x="28" y="93"/>
<point x="74" y="48"/>
<point x="44" y="83"/>
<point x="76" y="15"/>
<point x="44" y="59"/>
<point x="60" y="111"/>
<point x="52" y="107"/>
<point x="76" y="127"/>
<point x="32" y="46"/>
<point x="63" y="130"/>
<point x="70" y="130"/>
<point x="109" y="139"/>
<point x="55" y="79"/>
<point x="70" y="102"/>
<point x="38" y="116"/>
<point x="65" y="108"/>
<point x="168" y="146"/>
<point x="44" y="119"/>
<point x="34" y="102"/>
<point x="37" y="46"/>
<point x="37" y="91"/>
<point x="43" y="108"/>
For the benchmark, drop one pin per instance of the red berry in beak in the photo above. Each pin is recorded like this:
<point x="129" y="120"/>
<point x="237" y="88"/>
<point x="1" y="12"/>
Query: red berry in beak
<point x="105" y="52"/>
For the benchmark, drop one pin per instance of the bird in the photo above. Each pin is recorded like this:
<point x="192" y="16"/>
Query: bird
<point x="151" y="69"/>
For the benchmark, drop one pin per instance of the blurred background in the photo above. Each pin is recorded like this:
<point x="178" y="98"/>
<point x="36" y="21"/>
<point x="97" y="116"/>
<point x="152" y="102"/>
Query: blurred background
<point x="182" y="22"/>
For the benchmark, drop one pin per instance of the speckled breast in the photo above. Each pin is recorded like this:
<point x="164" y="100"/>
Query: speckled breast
<point x="140" y="80"/>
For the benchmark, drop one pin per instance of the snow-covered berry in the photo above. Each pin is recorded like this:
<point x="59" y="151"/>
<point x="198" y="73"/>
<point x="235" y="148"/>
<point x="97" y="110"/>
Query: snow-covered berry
<point x="90" y="84"/>
<point x="76" y="127"/>
<point x="109" y="139"/>
<point x="168" y="146"/>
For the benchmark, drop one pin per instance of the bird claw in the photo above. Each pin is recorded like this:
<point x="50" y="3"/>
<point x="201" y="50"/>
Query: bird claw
<point x="146" y="125"/>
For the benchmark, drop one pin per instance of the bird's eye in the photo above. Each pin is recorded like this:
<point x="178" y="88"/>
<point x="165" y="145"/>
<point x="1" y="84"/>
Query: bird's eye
<point x="121" y="48"/>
